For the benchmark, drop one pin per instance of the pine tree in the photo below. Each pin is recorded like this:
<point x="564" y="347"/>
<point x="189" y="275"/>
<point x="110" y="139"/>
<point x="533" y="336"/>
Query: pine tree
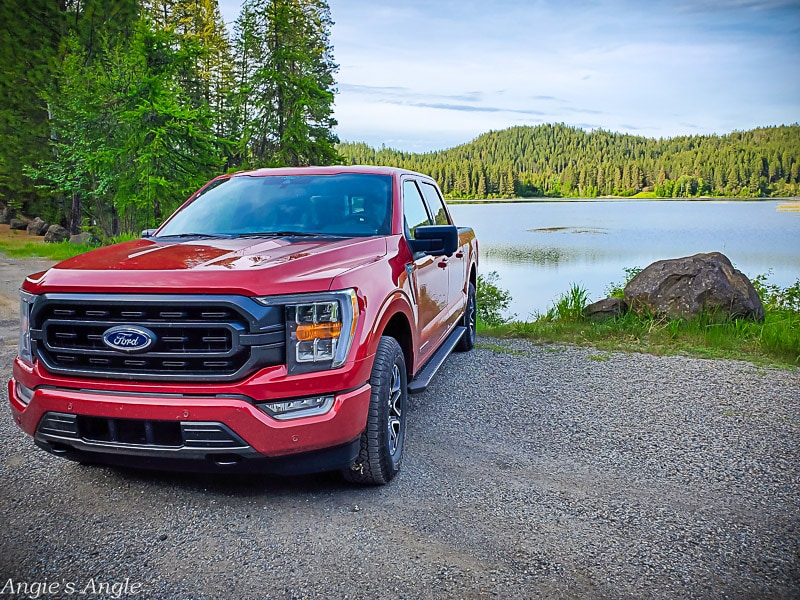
<point x="286" y="67"/>
<point x="207" y="79"/>
<point x="127" y="146"/>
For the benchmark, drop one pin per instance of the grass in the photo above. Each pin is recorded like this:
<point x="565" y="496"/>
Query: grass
<point x="773" y="342"/>
<point x="498" y="349"/>
<point x="23" y="248"/>
<point x="16" y="244"/>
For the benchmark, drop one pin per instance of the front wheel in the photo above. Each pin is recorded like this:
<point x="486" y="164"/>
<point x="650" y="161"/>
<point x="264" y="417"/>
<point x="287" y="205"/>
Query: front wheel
<point x="382" y="441"/>
<point x="470" y="321"/>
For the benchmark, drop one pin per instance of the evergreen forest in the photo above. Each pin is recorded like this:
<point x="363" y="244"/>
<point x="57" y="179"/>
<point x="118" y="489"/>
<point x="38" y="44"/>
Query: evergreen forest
<point x="562" y="161"/>
<point x="112" y="112"/>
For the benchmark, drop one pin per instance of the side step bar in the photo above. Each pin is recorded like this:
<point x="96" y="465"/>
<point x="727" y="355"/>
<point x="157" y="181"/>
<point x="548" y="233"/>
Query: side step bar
<point x="424" y="377"/>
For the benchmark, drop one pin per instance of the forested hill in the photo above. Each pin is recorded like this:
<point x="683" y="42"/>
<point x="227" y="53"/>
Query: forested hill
<point x="557" y="160"/>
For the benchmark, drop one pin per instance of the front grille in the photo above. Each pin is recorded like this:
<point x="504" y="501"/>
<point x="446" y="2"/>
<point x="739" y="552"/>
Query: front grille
<point x="130" y="431"/>
<point x="196" y="337"/>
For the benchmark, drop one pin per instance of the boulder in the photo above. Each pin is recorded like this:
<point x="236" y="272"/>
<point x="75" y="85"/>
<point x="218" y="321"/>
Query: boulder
<point x="38" y="227"/>
<point x="56" y="234"/>
<point x="607" y="308"/>
<point x="18" y="224"/>
<point x="85" y="238"/>
<point x="685" y="287"/>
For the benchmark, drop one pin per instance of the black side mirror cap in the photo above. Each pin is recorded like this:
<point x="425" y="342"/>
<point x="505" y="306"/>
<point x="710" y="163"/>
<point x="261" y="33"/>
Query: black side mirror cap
<point x="148" y="233"/>
<point x="435" y="239"/>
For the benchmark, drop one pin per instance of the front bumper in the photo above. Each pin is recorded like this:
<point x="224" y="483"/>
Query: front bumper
<point x="193" y="432"/>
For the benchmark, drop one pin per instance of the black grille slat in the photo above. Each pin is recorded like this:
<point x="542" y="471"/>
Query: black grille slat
<point x="134" y="363"/>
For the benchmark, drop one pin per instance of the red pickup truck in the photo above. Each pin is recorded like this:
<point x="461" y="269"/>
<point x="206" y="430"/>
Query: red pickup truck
<point x="276" y="322"/>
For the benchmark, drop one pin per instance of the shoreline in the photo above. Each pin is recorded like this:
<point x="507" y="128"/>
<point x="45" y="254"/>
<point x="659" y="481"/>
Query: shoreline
<point x="788" y="199"/>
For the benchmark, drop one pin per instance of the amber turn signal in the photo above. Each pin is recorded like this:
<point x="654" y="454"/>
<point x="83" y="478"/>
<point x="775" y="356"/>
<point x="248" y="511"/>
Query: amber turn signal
<point x="308" y="332"/>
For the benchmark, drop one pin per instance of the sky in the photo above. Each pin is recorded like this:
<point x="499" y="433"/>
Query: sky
<point x="424" y="75"/>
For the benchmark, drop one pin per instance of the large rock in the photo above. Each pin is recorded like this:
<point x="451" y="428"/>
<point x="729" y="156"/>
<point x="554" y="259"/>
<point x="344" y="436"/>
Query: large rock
<point x="685" y="287"/>
<point x="38" y="227"/>
<point x="85" y="238"/>
<point x="18" y="224"/>
<point x="56" y="234"/>
<point x="607" y="308"/>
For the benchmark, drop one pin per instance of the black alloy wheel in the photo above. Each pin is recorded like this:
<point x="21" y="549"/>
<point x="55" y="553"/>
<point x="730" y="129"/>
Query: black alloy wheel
<point x="381" y="450"/>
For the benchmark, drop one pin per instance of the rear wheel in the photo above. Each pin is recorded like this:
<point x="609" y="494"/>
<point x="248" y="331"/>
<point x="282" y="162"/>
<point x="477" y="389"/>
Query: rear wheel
<point x="382" y="441"/>
<point x="470" y="321"/>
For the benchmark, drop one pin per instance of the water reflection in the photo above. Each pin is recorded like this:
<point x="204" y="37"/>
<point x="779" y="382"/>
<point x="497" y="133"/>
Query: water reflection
<point x="532" y="255"/>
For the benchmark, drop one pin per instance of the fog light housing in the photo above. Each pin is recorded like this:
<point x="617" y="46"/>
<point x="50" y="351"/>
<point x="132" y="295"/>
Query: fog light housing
<point x="23" y="393"/>
<point x="296" y="408"/>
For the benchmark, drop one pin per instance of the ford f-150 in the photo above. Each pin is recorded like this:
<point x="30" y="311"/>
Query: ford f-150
<point x="276" y="321"/>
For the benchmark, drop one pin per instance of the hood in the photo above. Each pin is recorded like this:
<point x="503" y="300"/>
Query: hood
<point x="220" y="266"/>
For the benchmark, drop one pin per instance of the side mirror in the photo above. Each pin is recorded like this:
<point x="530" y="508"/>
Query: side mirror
<point x="148" y="233"/>
<point x="435" y="239"/>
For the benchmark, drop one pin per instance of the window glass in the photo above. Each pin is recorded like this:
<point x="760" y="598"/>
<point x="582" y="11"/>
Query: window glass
<point x="414" y="208"/>
<point x="436" y="205"/>
<point x="347" y="204"/>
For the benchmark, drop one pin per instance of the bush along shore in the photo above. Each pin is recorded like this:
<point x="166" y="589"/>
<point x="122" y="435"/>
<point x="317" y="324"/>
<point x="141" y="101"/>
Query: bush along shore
<point x="773" y="340"/>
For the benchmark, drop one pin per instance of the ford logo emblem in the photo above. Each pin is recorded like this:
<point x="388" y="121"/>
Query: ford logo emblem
<point x="126" y="338"/>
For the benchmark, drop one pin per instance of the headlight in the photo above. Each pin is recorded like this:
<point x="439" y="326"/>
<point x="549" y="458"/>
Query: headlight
<point x="319" y="328"/>
<point x="26" y="302"/>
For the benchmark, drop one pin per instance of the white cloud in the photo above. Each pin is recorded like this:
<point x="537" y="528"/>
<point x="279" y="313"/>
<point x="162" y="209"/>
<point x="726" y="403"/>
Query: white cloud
<point x="426" y="75"/>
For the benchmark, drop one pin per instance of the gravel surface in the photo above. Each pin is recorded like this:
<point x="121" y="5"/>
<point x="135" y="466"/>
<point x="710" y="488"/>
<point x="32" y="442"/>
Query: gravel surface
<point x="531" y="472"/>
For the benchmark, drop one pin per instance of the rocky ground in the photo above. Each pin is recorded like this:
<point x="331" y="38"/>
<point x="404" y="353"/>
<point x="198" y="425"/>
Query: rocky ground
<point x="531" y="471"/>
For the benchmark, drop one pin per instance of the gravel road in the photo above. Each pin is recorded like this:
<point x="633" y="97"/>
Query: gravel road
<point x="531" y="472"/>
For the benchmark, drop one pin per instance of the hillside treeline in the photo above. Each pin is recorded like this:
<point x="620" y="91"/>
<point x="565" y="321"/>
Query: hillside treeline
<point x="112" y="112"/>
<point x="558" y="160"/>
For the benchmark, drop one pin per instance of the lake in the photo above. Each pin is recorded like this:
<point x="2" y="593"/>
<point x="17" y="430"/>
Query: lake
<point x="539" y="249"/>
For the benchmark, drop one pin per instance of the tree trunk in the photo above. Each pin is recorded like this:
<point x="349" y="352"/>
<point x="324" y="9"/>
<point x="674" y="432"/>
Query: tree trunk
<point x="76" y="213"/>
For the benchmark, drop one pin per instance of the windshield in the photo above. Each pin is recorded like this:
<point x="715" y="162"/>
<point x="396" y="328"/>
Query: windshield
<point x="347" y="204"/>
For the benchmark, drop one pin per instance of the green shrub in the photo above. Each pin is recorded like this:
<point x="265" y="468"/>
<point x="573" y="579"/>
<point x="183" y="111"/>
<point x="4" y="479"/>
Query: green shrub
<point x="617" y="289"/>
<point x="492" y="300"/>
<point x="774" y="297"/>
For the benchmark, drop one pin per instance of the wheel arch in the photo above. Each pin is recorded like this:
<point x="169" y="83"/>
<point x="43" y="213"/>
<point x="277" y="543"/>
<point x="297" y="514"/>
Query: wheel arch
<point x="399" y="328"/>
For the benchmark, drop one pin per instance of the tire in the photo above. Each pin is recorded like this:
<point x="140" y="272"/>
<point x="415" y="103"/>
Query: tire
<point x="470" y="321"/>
<point x="381" y="450"/>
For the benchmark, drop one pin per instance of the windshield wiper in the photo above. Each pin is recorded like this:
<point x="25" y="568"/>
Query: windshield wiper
<point x="196" y="235"/>
<point x="280" y="234"/>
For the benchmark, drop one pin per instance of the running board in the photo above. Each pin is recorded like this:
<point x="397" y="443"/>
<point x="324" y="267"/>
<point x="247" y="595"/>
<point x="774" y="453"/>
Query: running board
<point x="424" y="377"/>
